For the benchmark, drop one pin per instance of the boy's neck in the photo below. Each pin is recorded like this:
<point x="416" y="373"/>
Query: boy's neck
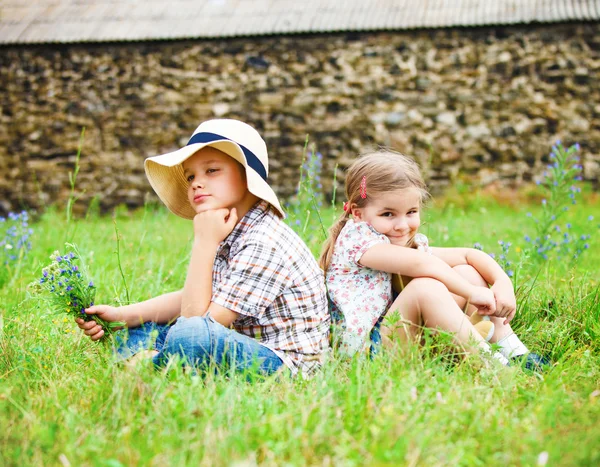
<point x="246" y="204"/>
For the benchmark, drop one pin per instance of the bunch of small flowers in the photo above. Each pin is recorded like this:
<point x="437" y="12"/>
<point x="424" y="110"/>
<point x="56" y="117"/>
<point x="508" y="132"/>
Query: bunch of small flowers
<point x="559" y="180"/>
<point x="68" y="289"/>
<point x="15" y="233"/>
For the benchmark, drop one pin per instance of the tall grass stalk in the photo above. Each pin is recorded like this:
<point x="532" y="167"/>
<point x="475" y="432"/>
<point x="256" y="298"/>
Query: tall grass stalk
<point x="73" y="178"/>
<point x="118" y="253"/>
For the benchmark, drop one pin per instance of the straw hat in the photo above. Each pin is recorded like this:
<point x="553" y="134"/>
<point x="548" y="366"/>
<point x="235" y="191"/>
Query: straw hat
<point x="236" y="139"/>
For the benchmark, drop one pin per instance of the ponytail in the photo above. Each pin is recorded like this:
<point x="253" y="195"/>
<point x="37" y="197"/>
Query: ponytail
<point x="334" y="232"/>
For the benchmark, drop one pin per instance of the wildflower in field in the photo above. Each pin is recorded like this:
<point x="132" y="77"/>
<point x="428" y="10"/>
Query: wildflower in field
<point x="559" y="180"/>
<point x="14" y="243"/>
<point x="502" y="260"/>
<point x="303" y="208"/>
<point x="14" y="236"/>
<point x="65" y="286"/>
<point x="552" y="239"/>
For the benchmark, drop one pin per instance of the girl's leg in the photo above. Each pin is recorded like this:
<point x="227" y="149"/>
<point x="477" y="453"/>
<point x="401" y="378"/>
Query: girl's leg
<point x="427" y="302"/>
<point x="510" y="345"/>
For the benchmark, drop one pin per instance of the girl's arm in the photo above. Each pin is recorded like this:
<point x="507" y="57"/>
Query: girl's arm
<point x="481" y="262"/>
<point x="413" y="263"/>
<point x="492" y="273"/>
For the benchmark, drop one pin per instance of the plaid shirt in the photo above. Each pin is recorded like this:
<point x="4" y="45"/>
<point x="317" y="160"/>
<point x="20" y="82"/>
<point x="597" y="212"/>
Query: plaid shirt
<point x="266" y="273"/>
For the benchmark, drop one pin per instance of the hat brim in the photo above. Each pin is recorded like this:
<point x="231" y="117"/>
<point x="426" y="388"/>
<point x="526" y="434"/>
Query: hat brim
<point x="166" y="176"/>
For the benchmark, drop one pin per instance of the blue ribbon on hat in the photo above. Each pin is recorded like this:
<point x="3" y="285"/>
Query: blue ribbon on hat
<point x="253" y="161"/>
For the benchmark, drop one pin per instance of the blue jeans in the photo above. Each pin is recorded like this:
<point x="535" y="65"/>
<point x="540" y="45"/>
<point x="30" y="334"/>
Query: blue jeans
<point x="200" y="342"/>
<point x="375" y="339"/>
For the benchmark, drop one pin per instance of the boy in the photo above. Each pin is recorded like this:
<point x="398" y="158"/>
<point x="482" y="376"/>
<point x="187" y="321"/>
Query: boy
<point x="254" y="293"/>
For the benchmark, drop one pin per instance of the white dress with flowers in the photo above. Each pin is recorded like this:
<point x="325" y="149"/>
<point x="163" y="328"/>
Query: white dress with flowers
<point x="358" y="296"/>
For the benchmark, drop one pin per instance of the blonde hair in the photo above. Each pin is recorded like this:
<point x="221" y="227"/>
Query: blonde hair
<point x="385" y="171"/>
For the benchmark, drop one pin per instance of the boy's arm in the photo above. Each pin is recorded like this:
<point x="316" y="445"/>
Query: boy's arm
<point x="166" y="308"/>
<point x="210" y="228"/>
<point x="221" y="314"/>
<point x="197" y="291"/>
<point x="161" y="309"/>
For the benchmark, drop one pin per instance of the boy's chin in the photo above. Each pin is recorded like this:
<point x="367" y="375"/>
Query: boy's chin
<point x="209" y="207"/>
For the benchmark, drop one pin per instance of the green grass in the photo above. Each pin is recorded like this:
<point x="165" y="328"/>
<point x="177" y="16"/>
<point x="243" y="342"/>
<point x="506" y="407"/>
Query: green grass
<point x="63" y="401"/>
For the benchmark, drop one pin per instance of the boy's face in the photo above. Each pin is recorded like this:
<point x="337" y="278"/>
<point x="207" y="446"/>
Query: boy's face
<point x="394" y="214"/>
<point x="215" y="181"/>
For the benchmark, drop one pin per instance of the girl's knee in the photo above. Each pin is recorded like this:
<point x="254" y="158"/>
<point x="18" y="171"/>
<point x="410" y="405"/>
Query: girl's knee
<point x="424" y="286"/>
<point x="419" y="293"/>
<point x="470" y="273"/>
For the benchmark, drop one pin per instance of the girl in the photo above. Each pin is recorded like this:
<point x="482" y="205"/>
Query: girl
<point x="375" y="238"/>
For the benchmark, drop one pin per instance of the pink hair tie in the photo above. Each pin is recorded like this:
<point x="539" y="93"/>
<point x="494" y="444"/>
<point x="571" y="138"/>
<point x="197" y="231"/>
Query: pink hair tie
<point x="346" y="207"/>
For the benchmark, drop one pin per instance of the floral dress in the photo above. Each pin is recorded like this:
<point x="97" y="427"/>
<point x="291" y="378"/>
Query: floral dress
<point x="358" y="296"/>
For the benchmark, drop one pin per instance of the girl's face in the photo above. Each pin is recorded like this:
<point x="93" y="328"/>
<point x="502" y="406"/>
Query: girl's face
<point x="395" y="214"/>
<point x="215" y="181"/>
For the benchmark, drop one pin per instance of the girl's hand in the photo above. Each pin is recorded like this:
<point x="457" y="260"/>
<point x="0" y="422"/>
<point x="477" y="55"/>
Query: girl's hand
<point x="506" y="302"/>
<point x="483" y="299"/>
<point x="93" y="329"/>
<point x="214" y="225"/>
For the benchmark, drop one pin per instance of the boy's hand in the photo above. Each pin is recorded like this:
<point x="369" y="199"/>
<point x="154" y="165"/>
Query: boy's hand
<point x="506" y="303"/>
<point x="93" y="329"/>
<point x="214" y="225"/>
<point x="483" y="299"/>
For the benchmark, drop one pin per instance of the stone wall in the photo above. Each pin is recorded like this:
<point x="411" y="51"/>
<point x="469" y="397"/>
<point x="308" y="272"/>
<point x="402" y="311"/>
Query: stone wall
<point x="482" y="105"/>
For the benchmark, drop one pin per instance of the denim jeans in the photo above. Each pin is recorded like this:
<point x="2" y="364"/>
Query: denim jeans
<point x="375" y="339"/>
<point x="201" y="342"/>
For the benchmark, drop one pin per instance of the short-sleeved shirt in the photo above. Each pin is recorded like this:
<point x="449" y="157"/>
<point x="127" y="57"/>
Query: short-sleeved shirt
<point x="264" y="272"/>
<point x="359" y="296"/>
